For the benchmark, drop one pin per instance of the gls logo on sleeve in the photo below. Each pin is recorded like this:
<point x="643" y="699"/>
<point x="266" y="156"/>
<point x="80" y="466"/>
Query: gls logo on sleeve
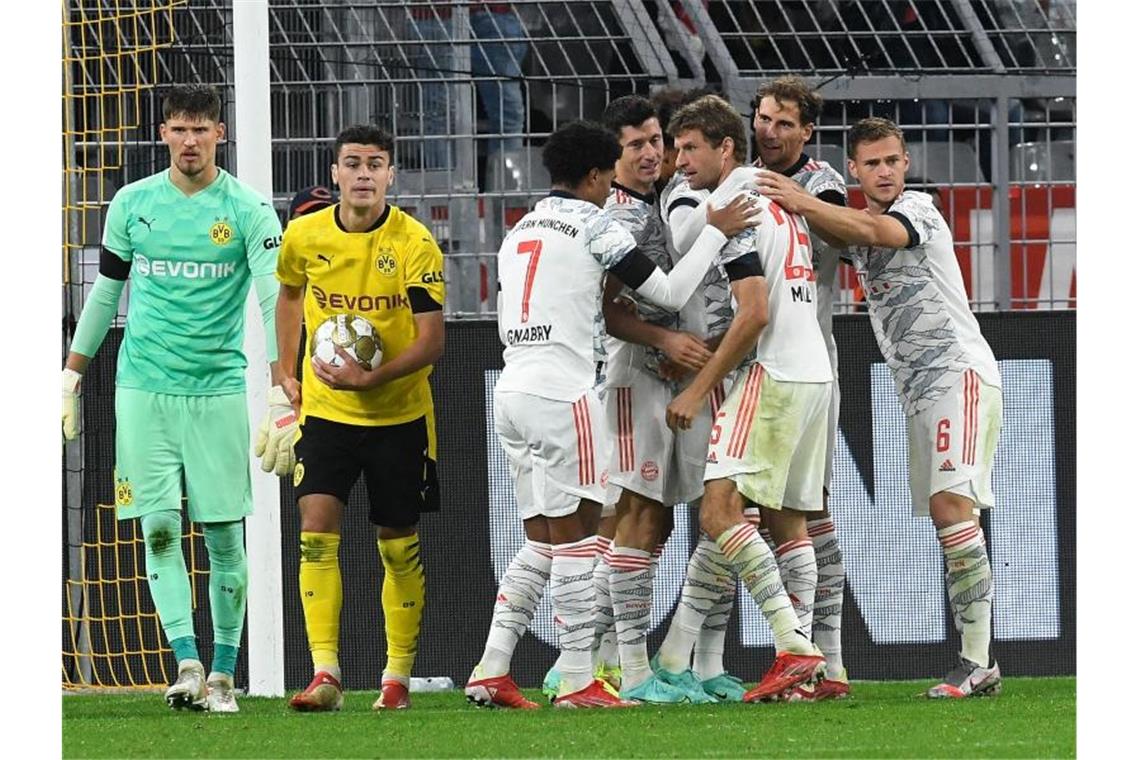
<point x="271" y="242"/>
<point x="431" y="277"/>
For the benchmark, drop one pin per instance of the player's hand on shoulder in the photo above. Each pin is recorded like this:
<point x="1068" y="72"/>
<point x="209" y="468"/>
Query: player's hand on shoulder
<point x="783" y="190"/>
<point x="686" y="350"/>
<point x="349" y="375"/>
<point x="277" y="432"/>
<point x="736" y="217"/>
<point x="71" y="380"/>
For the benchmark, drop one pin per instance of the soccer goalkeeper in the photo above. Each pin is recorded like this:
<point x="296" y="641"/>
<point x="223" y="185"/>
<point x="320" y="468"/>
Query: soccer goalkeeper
<point x="191" y="238"/>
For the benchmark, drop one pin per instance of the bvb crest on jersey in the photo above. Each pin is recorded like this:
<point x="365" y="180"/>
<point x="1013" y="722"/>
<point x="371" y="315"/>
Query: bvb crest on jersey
<point x="221" y="233"/>
<point x="386" y="262"/>
<point x="123" y="493"/>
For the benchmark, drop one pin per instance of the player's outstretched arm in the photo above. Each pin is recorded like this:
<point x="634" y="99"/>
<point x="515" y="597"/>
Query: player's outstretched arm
<point x="275" y="436"/>
<point x="94" y="321"/>
<point x="844" y="225"/>
<point x="623" y="323"/>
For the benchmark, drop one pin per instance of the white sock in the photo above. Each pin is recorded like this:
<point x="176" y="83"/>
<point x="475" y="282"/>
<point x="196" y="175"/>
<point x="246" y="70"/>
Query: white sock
<point x="707" y="577"/>
<point x="572" y="596"/>
<point x="632" y="588"/>
<point x="828" y="614"/>
<point x="756" y="566"/>
<point x="970" y="586"/>
<point x="708" y="652"/>
<point x="796" y="560"/>
<point x="520" y="591"/>
<point x="605" y="637"/>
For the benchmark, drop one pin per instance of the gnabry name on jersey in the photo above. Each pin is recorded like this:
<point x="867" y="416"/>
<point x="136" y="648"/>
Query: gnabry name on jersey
<point x="532" y="334"/>
<point x="354" y="302"/>
<point x="191" y="270"/>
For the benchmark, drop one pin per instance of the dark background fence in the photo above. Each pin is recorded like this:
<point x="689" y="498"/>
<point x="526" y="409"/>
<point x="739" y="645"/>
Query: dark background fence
<point x="896" y="623"/>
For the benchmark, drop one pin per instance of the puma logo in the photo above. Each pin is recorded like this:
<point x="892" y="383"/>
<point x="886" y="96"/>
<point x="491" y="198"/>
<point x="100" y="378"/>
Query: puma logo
<point x="324" y="258"/>
<point x="143" y="220"/>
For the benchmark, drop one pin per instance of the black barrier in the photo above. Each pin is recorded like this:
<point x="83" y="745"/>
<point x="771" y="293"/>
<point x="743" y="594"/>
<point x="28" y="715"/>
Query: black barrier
<point x="896" y="623"/>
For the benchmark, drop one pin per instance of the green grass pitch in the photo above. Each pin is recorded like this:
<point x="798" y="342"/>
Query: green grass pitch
<point x="1034" y="717"/>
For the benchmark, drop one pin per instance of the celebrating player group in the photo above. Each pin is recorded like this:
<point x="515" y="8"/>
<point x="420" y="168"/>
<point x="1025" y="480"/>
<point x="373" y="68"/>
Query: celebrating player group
<point x="666" y="317"/>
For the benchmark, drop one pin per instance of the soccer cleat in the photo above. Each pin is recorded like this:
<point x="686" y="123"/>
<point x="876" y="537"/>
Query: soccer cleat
<point x="220" y="694"/>
<point x="551" y="683"/>
<point x="656" y="690"/>
<point x="968" y="679"/>
<point x="500" y="691"/>
<point x="393" y="696"/>
<point x="188" y="692"/>
<point x="827" y="688"/>
<point x="788" y="671"/>
<point x="594" y="695"/>
<point x="687" y="682"/>
<point x="724" y="688"/>
<point x="323" y="694"/>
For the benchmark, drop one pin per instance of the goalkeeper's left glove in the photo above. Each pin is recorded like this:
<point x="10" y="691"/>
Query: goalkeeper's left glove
<point x="275" y="437"/>
<point x="71" y="380"/>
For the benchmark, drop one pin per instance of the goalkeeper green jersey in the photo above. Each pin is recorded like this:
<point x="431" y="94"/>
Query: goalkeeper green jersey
<point x="192" y="259"/>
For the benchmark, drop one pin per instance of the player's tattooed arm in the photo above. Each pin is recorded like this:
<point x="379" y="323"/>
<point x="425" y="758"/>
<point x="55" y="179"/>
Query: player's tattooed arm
<point x="623" y="323"/>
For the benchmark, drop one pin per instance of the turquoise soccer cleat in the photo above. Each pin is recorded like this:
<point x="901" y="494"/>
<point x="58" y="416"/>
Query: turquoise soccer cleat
<point x="655" y="691"/>
<point x="724" y="688"/>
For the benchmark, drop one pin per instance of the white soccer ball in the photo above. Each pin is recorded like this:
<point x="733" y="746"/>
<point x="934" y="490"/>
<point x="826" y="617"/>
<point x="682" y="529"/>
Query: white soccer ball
<point x="351" y="332"/>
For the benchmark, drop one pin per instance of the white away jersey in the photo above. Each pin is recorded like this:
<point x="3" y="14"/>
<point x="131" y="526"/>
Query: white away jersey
<point x="918" y="308"/>
<point x="709" y="311"/>
<point x="791" y="346"/>
<point x="551" y="267"/>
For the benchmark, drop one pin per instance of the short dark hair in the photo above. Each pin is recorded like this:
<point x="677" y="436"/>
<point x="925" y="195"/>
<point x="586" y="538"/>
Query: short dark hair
<point x="871" y="129"/>
<point x="791" y="89"/>
<point x="667" y="101"/>
<point x="365" y="134"/>
<point x="576" y="148"/>
<point x="715" y="118"/>
<point x="627" y="111"/>
<point x="194" y="101"/>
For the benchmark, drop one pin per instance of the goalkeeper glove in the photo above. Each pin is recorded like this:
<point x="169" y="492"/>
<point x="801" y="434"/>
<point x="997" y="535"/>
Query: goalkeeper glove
<point x="71" y="380"/>
<point x="275" y="437"/>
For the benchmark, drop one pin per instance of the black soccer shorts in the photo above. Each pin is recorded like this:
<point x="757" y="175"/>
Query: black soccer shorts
<point x="399" y="474"/>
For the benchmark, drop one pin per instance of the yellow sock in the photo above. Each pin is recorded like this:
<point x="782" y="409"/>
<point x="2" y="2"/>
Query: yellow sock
<point x="321" y="595"/>
<point x="403" y="599"/>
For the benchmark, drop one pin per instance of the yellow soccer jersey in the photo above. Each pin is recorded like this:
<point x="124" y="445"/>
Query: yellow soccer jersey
<point x="366" y="273"/>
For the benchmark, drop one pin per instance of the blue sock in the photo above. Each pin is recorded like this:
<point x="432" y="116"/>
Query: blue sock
<point x="225" y="659"/>
<point x="185" y="648"/>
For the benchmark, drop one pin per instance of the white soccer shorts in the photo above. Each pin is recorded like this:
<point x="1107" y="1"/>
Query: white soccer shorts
<point x="952" y="444"/>
<point x="641" y="441"/>
<point x="770" y="437"/>
<point x="832" y="435"/>
<point x="691" y="449"/>
<point x="557" y="450"/>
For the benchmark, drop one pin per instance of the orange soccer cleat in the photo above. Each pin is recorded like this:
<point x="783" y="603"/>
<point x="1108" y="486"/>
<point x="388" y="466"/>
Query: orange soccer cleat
<point x="594" y="695"/>
<point x="323" y="694"/>
<point x="499" y="691"/>
<point x="393" y="696"/>
<point x="788" y="671"/>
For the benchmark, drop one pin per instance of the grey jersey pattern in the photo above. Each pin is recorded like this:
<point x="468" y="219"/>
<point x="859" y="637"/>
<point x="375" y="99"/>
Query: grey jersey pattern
<point x="819" y="177"/>
<point x="640" y="215"/>
<point x="713" y="295"/>
<point x="918" y="308"/>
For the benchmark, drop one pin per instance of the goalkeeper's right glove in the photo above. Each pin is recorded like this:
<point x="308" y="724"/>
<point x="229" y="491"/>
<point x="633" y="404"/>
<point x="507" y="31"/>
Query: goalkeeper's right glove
<point x="275" y="437"/>
<point x="71" y="380"/>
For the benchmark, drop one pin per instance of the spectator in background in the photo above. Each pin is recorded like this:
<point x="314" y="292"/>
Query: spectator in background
<point x="309" y="200"/>
<point x="497" y="67"/>
<point x="428" y="63"/>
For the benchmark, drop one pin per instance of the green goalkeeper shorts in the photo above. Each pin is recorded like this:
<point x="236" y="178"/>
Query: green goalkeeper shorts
<point x="162" y="441"/>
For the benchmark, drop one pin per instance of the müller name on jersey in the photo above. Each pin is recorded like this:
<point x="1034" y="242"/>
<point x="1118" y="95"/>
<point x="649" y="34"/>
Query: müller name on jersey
<point x="533" y="334"/>
<point x="557" y="225"/>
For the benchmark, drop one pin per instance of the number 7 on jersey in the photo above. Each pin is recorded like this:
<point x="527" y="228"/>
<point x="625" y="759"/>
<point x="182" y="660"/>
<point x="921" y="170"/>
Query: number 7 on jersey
<point x="532" y="248"/>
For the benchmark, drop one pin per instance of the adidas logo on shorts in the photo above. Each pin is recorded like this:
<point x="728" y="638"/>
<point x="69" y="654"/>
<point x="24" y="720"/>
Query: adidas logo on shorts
<point x="947" y="466"/>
